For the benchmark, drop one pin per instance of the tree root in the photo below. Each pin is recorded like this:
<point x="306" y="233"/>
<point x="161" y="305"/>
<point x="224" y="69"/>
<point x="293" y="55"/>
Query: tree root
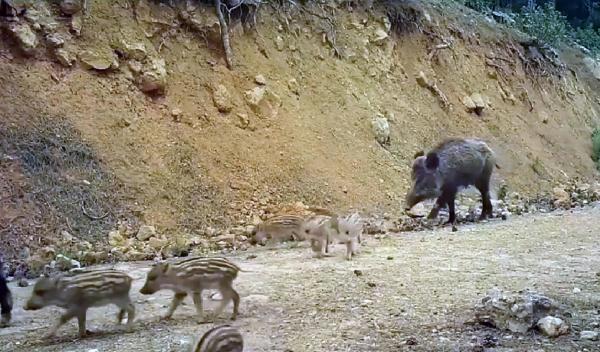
<point x="224" y="35"/>
<point x="434" y="51"/>
<point x="433" y="88"/>
<point x="526" y="95"/>
<point x="330" y="34"/>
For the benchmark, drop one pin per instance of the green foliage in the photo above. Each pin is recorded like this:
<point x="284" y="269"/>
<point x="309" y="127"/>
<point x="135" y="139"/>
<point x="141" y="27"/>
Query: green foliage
<point x="479" y="5"/>
<point x="596" y="146"/>
<point x="545" y="23"/>
<point x="589" y="38"/>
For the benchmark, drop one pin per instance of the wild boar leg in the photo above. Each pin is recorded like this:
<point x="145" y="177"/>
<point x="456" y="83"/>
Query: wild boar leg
<point x="177" y="299"/>
<point x="325" y="246"/>
<point x="355" y="245"/>
<point x="451" y="210"/>
<point x="126" y="307"/>
<point x="229" y="294"/>
<point x="120" y="315"/>
<point x="439" y="204"/>
<point x="197" y="297"/>
<point x="81" y="322"/>
<point x="6" y="307"/>
<point x="236" y="303"/>
<point x="130" y="315"/>
<point x="349" y="249"/>
<point x="70" y="314"/>
<point x="486" y="210"/>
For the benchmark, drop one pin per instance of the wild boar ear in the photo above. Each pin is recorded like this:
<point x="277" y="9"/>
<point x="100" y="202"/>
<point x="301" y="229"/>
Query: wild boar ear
<point x="419" y="154"/>
<point x="335" y="223"/>
<point x="432" y="161"/>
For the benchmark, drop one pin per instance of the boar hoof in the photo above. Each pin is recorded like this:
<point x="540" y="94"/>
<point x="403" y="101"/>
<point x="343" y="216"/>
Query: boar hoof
<point x="86" y="333"/>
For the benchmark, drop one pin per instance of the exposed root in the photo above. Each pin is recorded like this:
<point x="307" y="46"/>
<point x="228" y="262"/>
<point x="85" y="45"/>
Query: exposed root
<point x="433" y="88"/>
<point x="224" y="35"/>
<point x="434" y="51"/>
<point x="539" y="59"/>
<point x="405" y="16"/>
<point x="526" y="95"/>
<point x="329" y="33"/>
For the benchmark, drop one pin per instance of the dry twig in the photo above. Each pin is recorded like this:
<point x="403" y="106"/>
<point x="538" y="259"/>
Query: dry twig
<point x="91" y="217"/>
<point x="433" y="52"/>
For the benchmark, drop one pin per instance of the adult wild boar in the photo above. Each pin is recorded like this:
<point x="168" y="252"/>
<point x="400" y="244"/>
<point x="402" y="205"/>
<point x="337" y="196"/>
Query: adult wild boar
<point x="452" y="164"/>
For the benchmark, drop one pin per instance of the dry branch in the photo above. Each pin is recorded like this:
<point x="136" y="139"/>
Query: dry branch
<point x="433" y="52"/>
<point x="498" y="68"/>
<point x="433" y="88"/>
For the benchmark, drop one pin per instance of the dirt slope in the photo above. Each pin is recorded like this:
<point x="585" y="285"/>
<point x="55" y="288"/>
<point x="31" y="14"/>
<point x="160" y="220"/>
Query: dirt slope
<point x="310" y="140"/>
<point x="420" y="287"/>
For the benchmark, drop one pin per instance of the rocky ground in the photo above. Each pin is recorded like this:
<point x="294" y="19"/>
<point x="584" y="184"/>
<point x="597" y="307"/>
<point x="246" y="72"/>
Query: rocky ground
<point x="146" y="243"/>
<point x="123" y="122"/>
<point x="410" y="291"/>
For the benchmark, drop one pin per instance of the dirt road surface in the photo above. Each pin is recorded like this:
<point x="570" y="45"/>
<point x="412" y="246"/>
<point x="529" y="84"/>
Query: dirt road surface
<point x="410" y="291"/>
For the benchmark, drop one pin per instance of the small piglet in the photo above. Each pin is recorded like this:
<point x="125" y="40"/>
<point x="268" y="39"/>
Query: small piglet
<point x="6" y="301"/>
<point x="279" y="228"/>
<point x="192" y="276"/>
<point x="348" y="230"/>
<point x="317" y="229"/>
<point x="322" y="230"/>
<point x="76" y="292"/>
<point x="224" y="338"/>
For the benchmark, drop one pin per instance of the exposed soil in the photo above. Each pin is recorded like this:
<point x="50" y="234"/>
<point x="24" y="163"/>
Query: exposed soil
<point x="420" y="287"/>
<point x="210" y="168"/>
<point x="87" y="152"/>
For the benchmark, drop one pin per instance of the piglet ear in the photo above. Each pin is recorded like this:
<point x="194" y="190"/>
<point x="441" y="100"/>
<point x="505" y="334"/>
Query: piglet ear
<point x="432" y="161"/>
<point x="419" y="154"/>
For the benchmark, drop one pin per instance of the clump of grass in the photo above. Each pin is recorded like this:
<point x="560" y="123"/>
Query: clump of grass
<point x="62" y="180"/>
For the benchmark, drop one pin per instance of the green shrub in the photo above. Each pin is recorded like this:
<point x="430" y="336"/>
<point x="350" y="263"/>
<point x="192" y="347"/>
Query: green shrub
<point x="596" y="146"/>
<point x="589" y="38"/>
<point x="545" y="23"/>
<point x="479" y="5"/>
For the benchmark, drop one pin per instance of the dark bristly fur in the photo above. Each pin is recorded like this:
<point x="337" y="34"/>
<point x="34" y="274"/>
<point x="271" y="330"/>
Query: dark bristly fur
<point x="452" y="164"/>
<point x="6" y="301"/>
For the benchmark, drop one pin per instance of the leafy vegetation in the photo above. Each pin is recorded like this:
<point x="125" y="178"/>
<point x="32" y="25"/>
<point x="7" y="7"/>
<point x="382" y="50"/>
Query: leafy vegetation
<point x="596" y="147"/>
<point x="544" y="23"/>
<point x="552" y="22"/>
<point x="589" y="38"/>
